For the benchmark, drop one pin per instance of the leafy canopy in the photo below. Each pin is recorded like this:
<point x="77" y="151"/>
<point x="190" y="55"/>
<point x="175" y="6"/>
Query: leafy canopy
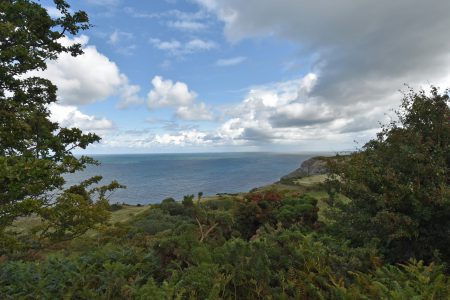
<point x="399" y="183"/>
<point x="34" y="151"/>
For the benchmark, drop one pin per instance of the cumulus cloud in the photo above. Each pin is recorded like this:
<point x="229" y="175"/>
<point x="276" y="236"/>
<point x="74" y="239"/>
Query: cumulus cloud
<point x="286" y="113"/>
<point x="195" y="112"/>
<point x="87" y="78"/>
<point x="362" y="54"/>
<point x="282" y="115"/>
<point x="175" y="47"/>
<point x="129" y="95"/>
<point x="83" y="79"/>
<point x="226" y="62"/>
<point x="166" y="93"/>
<point x="70" y="116"/>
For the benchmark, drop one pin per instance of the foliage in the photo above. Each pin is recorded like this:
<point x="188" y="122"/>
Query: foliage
<point x="269" y="196"/>
<point x="116" y="206"/>
<point x="261" y="208"/>
<point x="188" y="201"/>
<point x="160" y="254"/>
<point x="399" y="183"/>
<point x="298" y="211"/>
<point x="413" y="280"/>
<point x="75" y="212"/>
<point x="35" y="152"/>
<point x="266" y="245"/>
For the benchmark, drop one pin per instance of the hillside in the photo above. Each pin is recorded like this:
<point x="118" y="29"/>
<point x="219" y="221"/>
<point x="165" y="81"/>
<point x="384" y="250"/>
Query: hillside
<point x="314" y="166"/>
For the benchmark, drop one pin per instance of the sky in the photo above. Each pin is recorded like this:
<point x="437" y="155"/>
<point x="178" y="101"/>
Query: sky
<point x="256" y="75"/>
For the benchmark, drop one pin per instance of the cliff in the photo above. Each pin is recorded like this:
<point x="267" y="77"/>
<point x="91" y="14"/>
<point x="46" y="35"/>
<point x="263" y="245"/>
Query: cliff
<point x="313" y="166"/>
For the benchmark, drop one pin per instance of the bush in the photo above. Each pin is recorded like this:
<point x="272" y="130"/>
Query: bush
<point x="399" y="184"/>
<point x="115" y="206"/>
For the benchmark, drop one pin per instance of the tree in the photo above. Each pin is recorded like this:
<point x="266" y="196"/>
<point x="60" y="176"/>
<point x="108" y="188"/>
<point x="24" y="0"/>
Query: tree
<point x="35" y="153"/>
<point x="399" y="183"/>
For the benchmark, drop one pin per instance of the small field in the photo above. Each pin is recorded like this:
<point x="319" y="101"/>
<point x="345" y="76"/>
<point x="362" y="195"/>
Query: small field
<point x="25" y="224"/>
<point x="127" y="212"/>
<point x="310" y="180"/>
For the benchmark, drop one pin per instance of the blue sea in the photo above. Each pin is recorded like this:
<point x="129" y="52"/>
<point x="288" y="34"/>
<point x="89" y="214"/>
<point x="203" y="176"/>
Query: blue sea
<point x="151" y="178"/>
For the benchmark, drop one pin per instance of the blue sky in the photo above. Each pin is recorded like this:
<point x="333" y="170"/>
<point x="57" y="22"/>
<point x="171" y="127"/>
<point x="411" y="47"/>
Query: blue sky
<point x="256" y="75"/>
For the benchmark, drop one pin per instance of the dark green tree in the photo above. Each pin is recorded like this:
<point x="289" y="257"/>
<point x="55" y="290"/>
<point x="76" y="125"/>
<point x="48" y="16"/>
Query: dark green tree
<point x="399" y="183"/>
<point x="35" y="153"/>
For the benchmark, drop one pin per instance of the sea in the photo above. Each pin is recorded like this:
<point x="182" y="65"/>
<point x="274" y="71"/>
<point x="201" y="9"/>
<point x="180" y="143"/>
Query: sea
<point x="150" y="178"/>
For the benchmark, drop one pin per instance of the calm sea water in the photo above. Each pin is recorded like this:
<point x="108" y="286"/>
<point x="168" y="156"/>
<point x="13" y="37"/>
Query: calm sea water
<point x="151" y="178"/>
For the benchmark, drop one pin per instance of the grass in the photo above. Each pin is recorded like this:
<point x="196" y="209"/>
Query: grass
<point x="237" y="196"/>
<point x="311" y="180"/>
<point x="24" y="225"/>
<point x="127" y="212"/>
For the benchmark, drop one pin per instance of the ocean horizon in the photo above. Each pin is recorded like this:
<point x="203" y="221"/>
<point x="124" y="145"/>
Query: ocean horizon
<point x="150" y="178"/>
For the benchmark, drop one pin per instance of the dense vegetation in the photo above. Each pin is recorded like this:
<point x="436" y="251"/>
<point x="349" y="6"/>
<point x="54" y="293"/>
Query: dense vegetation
<point x="267" y="245"/>
<point x="35" y="153"/>
<point x="383" y="232"/>
<point x="400" y="184"/>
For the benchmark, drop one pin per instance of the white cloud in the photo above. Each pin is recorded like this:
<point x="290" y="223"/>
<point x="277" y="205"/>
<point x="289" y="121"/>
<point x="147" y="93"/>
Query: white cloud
<point x="83" y="79"/>
<point x="286" y="113"/>
<point x="198" y="44"/>
<point x="195" y="112"/>
<point x="53" y="12"/>
<point x="172" y="45"/>
<point x="175" y="47"/>
<point x="147" y="140"/>
<point x="70" y="116"/>
<point x="166" y="93"/>
<point x="192" y="137"/>
<point x="187" y="25"/>
<point x="86" y="78"/>
<point x="129" y="95"/>
<point x="281" y="115"/>
<point x="226" y="62"/>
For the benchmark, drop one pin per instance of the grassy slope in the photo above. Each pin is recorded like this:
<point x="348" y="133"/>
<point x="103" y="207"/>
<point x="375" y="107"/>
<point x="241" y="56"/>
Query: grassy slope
<point x="23" y="225"/>
<point x="310" y="180"/>
<point x="127" y="212"/>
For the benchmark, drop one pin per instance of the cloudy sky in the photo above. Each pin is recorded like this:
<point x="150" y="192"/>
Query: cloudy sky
<point x="254" y="75"/>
